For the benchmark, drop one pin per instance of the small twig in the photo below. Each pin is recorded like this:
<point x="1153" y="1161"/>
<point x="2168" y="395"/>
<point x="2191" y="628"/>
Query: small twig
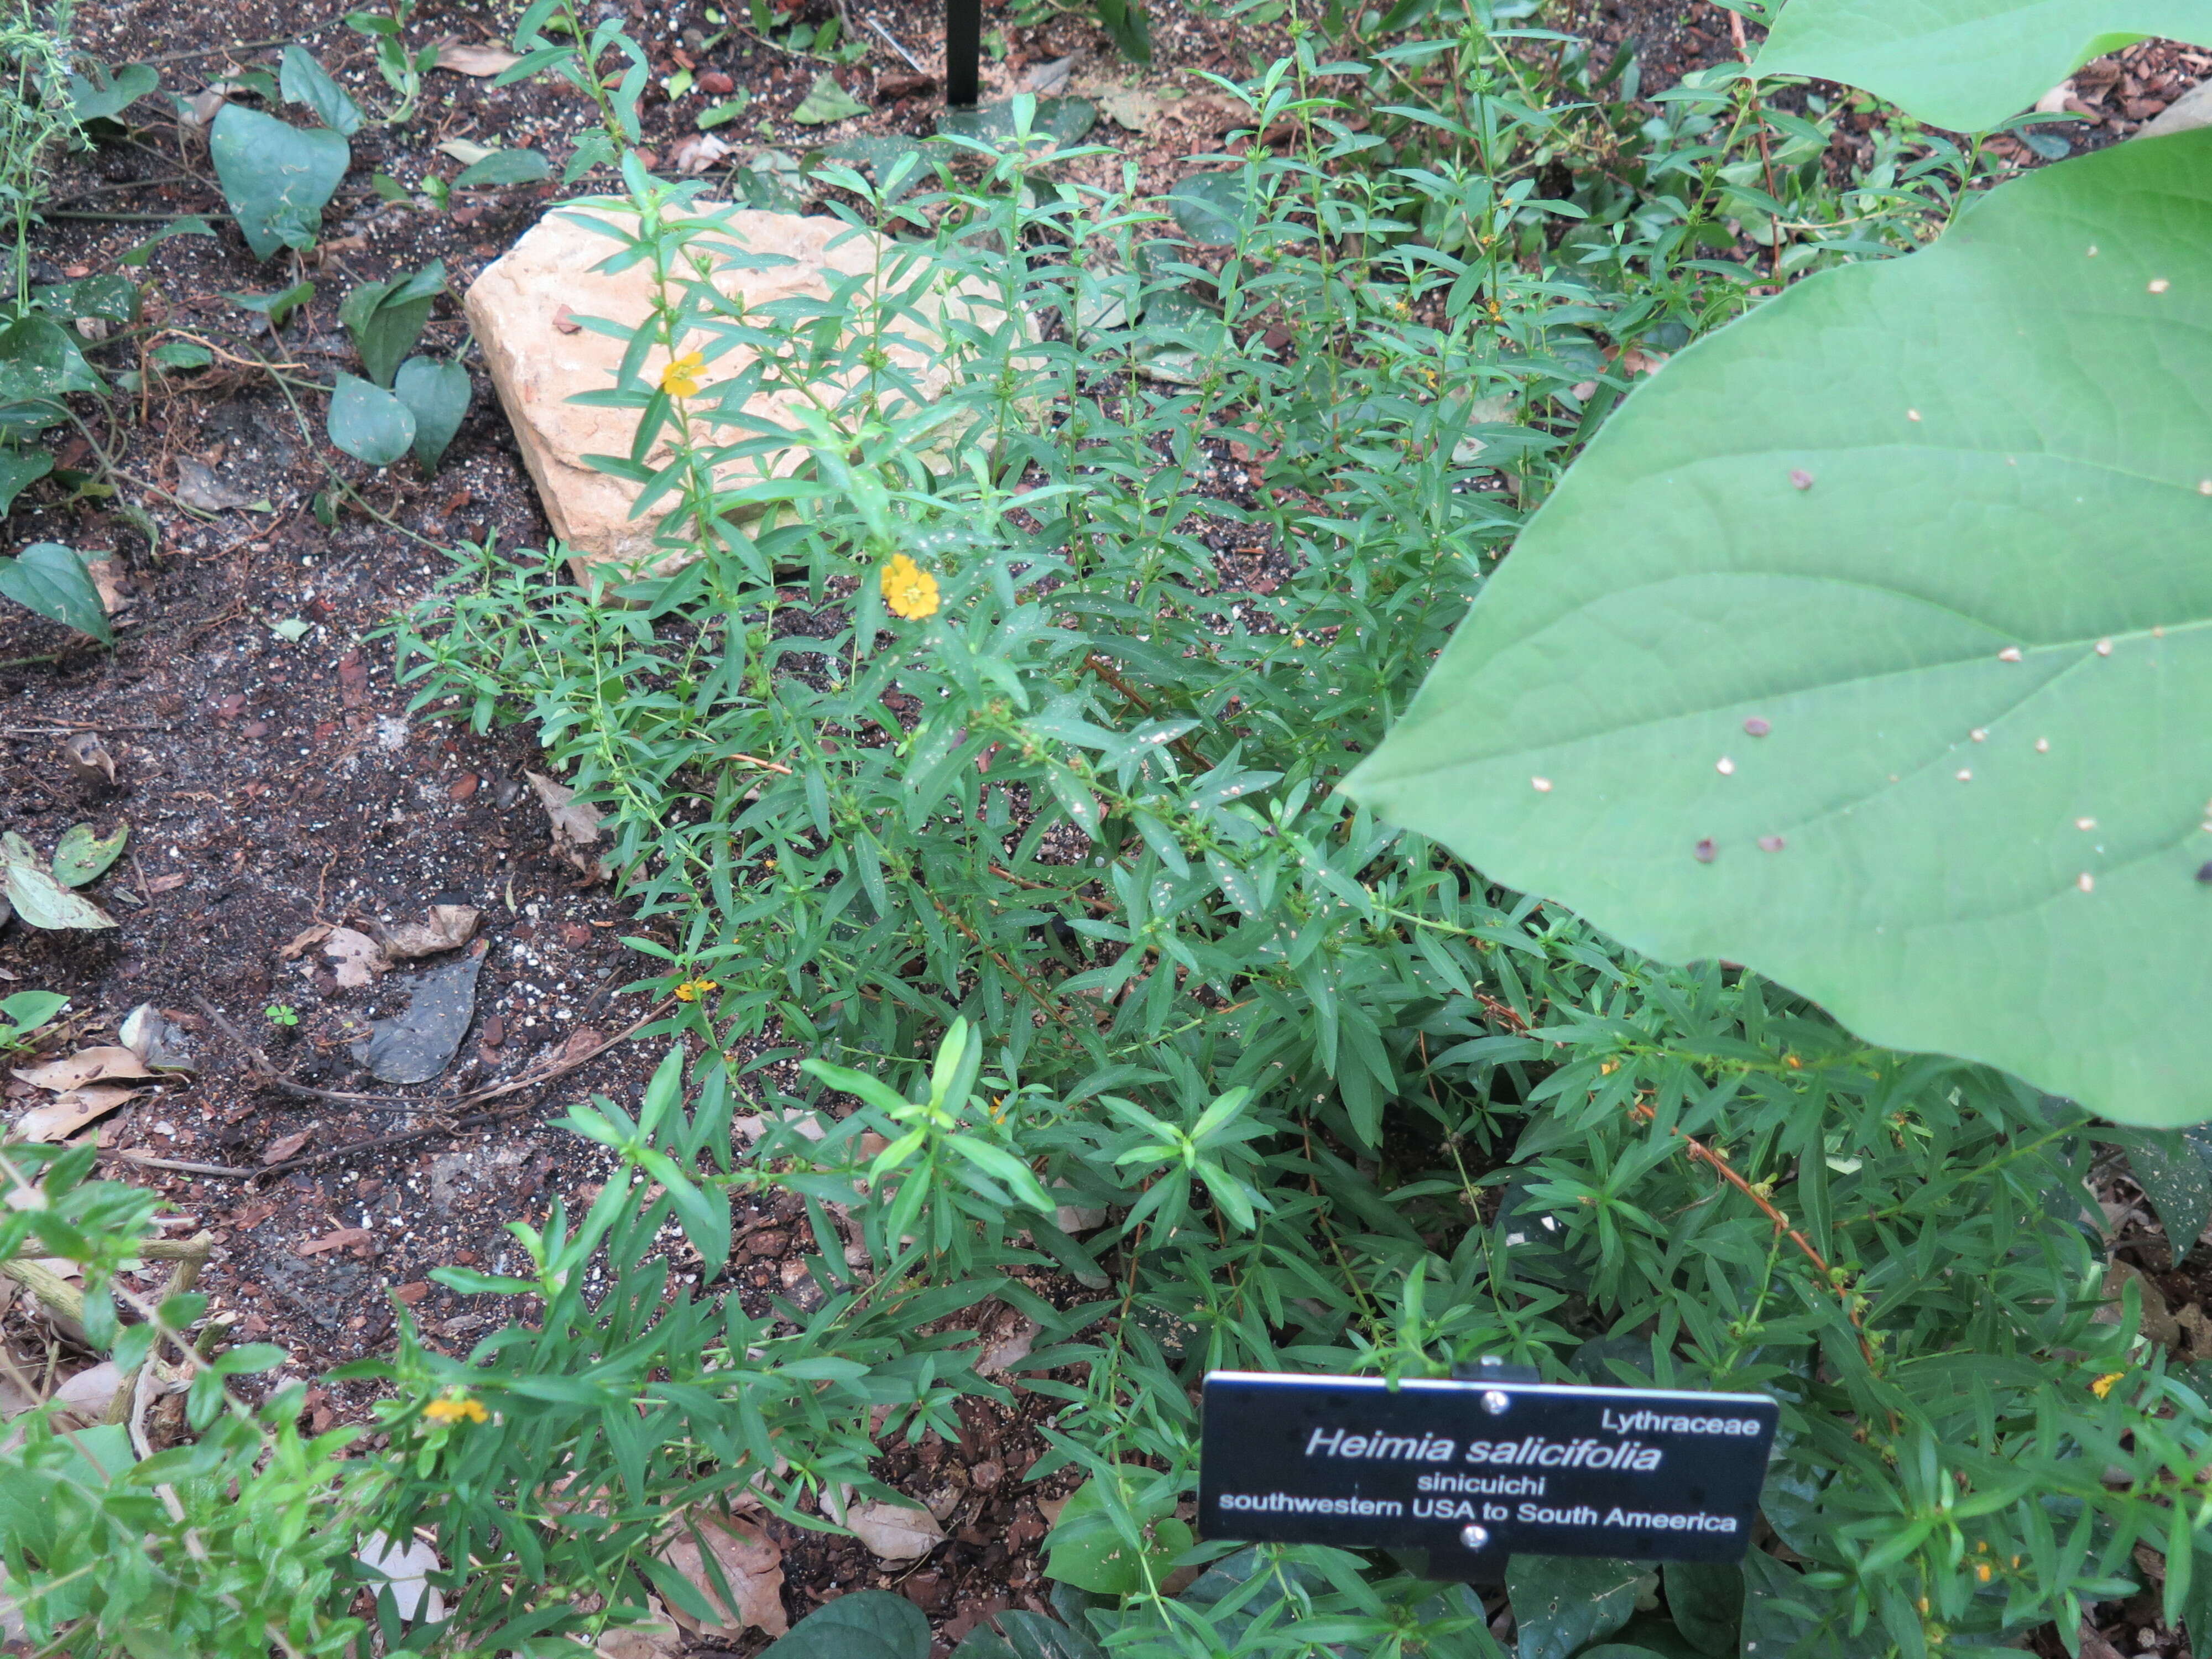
<point x="1718" y="1162"/>
<point x="1098" y="665"/>
<point x="135" y="1392"/>
<point x="897" y="47"/>
<point x="82" y="726"/>
<point x="755" y="760"/>
<point x="180" y="1165"/>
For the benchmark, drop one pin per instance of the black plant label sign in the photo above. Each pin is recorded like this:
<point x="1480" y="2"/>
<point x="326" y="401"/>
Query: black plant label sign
<point x="1473" y="1472"/>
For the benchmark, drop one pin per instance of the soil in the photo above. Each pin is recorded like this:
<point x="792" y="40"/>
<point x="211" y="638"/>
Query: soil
<point x="275" y="780"/>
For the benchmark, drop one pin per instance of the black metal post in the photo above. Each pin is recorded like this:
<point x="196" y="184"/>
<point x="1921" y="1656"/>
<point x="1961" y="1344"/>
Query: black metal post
<point x="963" y="52"/>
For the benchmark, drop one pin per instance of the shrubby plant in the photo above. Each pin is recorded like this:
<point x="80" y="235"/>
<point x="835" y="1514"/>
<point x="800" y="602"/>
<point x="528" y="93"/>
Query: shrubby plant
<point x="988" y="761"/>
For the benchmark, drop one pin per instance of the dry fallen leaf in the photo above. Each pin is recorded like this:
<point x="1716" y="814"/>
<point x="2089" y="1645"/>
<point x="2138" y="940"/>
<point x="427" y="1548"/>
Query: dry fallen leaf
<point x="896" y="1532"/>
<point x="1044" y="79"/>
<point x="448" y="925"/>
<point x="158" y="1040"/>
<point x="86" y="1065"/>
<point x="88" y="757"/>
<point x="354" y="957"/>
<point x="165" y="884"/>
<point x="1008" y="1348"/>
<point x="198" y="486"/>
<point x="575" y="827"/>
<point x="70" y="1111"/>
<point x="344" y="1239"/>
<point x="112" y="579"/>
<point x="698" y="152"/>
<point x="82" y="1400"/>
<point x="407" y="1565"/>
<point x="1132" y="108"/>
<point x="301" y="941"/>
<point x="658" y="1639"/>
<point x="751" y="1565"/>
<point x="464" y="58"/>
<point x="287" y="1147"/>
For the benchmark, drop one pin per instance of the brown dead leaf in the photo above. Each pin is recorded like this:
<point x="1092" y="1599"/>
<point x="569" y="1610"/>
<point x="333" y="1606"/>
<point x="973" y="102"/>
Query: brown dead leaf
<point x="344" y="1239"/>
<point x="302" y="941"/>
<point x="464" y="58"/>
<point x="168" y="883"/>
<point x="660" y="1639"/>
<point x="287" y="1147"/>
<point x="88" y="757"/>
<point x="575" y="827"/>
<point x="86" y="1065"/>
<point x="1007" y="1347"/>
<point x="697" y="152"/>
<point x="354" y="957"/>
<point x="449" y="925"/>
<point x="563" y="323"/>
<point x="69" y="1112"/>
<point x="112" y="579"/>
<point x="894" y="1532"/>
<point x="751" y="1567"/>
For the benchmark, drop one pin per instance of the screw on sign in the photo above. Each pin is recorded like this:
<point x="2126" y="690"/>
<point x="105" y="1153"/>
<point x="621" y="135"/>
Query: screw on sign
<point x="1486" y="1465"/>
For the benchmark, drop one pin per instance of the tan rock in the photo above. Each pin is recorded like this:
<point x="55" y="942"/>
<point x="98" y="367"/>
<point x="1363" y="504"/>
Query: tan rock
<point x="521" y="309"/>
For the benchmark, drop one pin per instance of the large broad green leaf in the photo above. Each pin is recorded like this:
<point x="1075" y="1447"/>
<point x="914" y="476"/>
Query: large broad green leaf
<point x="303" y="81"/>
<point x="276" y="177"/>
<point x="1562" y="1603"/>
<point x="51" y="579"/>
<point x="1870" y="645"/>
<point x="18" y="469"/>
<point x="1965" y="64"/>
<point x="40" y="359"/>
<point x="864" y="1624"/>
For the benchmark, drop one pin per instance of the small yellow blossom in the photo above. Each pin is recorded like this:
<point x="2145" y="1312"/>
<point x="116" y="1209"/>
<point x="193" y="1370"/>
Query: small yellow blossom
<point x="692" y="989"/>
<point x="681" y="378"/>
<point x="908" y="589"/>
<point x="454" y="1408"/>
<point x="1982" y="1571"/>
<point x="2103" y="1385"/>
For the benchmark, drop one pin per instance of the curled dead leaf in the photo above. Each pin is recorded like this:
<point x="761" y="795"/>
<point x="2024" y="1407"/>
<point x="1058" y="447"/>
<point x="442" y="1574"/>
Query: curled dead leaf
<point x="70" y="1111"/>
<point x="750" y="1566"/>
<point x="894" y="1532"/>
<point x="575" y="825"/>
<point x="86" y="1065"/>
<point x="446" y="927"/>
<point x="344" y="1239"/>
<point x="87" y="758"/>
<point x="354" y="957"/>
<point x="289" y="1146"/>
<point x="463" y="58"/>
<point x="304" y="940"/>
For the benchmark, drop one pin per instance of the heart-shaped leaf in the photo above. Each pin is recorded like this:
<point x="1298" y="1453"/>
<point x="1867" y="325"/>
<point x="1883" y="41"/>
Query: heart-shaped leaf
<point x="303" y="81"/>
<point x="51" y="579"/>
<point x="1867" y="645"/>
<point x="20" y="468"/>
<point x="368" y="422"/>
<point x="42" y="901"/>
<point x="276" y="177"/>
<point x="827" y="101"/>
<point x="385" y="318"/>
<point x="437" y="395"/>
<point x="99" y="98"/>
<point x="82" y="853"/>
<point x="1210" y="206"/>
<point x="1563" y="1602"/>
<point x="40" y="359"/>
<point x="1965" y="64"/>
<point x="864" y="1624"/>
<point x="504" y="166"/>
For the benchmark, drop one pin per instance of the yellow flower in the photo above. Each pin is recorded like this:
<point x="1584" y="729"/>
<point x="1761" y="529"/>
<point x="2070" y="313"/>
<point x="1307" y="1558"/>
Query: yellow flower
<point x="692" y="989"/>
<point x="910" y="591"/>
<point x="681" y="378"/>
<point x="2103" y="1385"/>
<point x="453" y="1407"/>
